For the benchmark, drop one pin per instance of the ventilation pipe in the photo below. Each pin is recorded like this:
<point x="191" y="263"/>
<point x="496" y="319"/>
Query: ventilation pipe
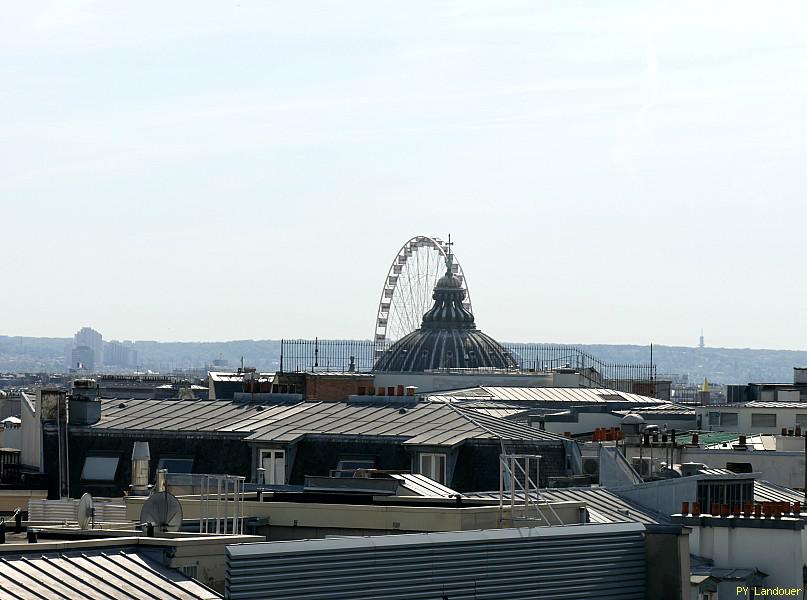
<point x="140" y="468"/>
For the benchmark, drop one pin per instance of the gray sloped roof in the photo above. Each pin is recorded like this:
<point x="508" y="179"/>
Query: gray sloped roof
<point x="766" y="491"/>
<point x="121" y="575"/>
<point x="552" y="395"/>
<point x="425" y="423"/>
<point x="421" y="485"/>
<point x="210" y="416"/>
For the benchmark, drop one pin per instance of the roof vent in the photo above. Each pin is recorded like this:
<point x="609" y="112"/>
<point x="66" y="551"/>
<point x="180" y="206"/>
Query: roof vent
<point x="259" y="408"/>
<point x="401" y="411"/>
<point x="121" y="405"/>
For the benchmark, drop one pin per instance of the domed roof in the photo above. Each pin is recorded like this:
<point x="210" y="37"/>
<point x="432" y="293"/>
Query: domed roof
<point x="447" y="338"/>
<point x="632" y="419"/>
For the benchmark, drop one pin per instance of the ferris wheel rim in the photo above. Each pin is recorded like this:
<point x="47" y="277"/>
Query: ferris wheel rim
<point x="383" y="313"/>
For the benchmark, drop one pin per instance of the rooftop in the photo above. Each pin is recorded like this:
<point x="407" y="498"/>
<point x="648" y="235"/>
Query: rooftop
<point x="552" y="395"/>
<point x="433" y="423"/>
<point x="94" y="574"/>
<point x="604" y="506"/>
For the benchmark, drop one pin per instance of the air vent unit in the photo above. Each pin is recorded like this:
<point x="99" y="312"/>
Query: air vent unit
<point x="591" y="465"/>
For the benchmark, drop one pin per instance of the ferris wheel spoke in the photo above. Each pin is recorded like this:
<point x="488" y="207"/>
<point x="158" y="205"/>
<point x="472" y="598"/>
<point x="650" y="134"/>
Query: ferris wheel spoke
<point x="410" y="282"/>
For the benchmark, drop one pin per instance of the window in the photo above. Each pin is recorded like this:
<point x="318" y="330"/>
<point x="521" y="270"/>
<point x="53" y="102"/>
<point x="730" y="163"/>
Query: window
<point x="274" y="464"/>
<point x="728" y="419"/>
<point x="99" y="468"/>
<point x="763" y="420"/>
<point x="433" y="466"/>
<point x="714" y="418"/>
<point x="801" y="419"/>
<point x="176" y="465"/>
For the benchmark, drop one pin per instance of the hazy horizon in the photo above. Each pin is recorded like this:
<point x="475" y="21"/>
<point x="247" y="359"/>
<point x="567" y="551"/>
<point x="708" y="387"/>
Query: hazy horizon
<point x="617" y="172"/>
<point x="504" y="341"/>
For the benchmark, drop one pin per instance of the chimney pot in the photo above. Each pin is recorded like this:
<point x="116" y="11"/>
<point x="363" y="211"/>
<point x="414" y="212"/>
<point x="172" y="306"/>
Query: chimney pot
<point x="685" y="508"/>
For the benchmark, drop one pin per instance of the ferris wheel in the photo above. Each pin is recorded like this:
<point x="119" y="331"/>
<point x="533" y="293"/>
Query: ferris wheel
<point x="407" y="291"/>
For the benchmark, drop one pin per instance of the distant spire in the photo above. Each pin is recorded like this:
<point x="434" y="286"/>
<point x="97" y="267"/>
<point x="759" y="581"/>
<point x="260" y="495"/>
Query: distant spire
<point x="705" y="387"/>
<point x="700" y="342"/>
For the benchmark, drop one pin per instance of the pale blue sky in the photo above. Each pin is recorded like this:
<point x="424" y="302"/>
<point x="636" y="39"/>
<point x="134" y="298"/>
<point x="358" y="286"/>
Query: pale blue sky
<point x="612" y="172"/>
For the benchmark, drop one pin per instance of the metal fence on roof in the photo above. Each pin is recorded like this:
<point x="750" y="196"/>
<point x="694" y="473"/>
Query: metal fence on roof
<point x="361" y="355"/>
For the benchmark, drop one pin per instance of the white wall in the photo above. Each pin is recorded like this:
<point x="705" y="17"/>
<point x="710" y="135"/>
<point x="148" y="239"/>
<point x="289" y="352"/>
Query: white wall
<point x="31" y="442"/>
<point x="784" y="468"/>
<point x="777" y="552"/>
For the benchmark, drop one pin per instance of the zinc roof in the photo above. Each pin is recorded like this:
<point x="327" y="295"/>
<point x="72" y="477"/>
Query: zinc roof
<point x="766" y="491"/>
<point x="425" y="423"/>
<point x="190" y="415"/>
<point x="667" y="409"/>
<point x="552" y="395"/>
<point x="122" y="575"/>
<point x="421" y="485"/>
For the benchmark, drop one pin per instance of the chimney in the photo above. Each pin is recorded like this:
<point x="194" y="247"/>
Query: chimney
<point x="162" y="475"/>
<point x="140" y="469"/>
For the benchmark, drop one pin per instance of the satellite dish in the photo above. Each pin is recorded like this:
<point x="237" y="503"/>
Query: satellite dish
<point x="86" y="513"/>
<point x="162" y="510"/>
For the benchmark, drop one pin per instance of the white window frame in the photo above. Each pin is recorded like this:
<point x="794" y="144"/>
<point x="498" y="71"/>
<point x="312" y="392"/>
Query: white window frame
<point x="273" y="453"/>
<point x="434" y="466"/>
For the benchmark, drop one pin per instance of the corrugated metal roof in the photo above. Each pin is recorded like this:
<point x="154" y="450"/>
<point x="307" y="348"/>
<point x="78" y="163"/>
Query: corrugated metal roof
<point x="551" y="395"/>
<point x="604" y="506"/>
<point x="425" y="423"/>
<point x="574" y="562"/>
<point x="667" y="408"/>
<point x="766" y="491"/>
<point x="121" y="575"/>
<point x="221" y="416"/>
<point x="424" y="486"/>
<point x="493" y="408"/>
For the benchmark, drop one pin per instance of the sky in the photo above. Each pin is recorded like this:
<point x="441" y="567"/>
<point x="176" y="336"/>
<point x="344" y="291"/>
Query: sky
<point x="611" y="171"/>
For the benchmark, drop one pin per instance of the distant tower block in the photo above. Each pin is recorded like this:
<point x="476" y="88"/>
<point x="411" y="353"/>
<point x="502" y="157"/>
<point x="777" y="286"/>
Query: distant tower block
<point x="700" y="341"/>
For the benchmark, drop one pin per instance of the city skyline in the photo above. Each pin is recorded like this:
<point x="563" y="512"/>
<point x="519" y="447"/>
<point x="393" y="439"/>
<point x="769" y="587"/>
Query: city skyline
<point x="611" y="173"/>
